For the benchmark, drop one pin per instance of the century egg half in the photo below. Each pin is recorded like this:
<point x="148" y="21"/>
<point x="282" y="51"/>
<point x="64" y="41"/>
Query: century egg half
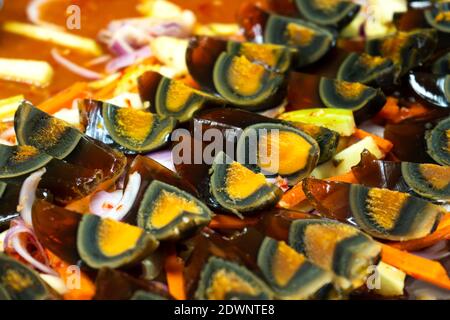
<point x="53" y="136"/>
<point x="438" y="142"/>
<point x="290" y="274"/>
<point x="392" y="215"/>
<point x="407" y="49"/>
<point x="278" y="149"/>
<point x="428" y="180"/>
<point x="247" y="84"/>
<point x="335" y="246"/>
<point x="113" y="244"/>
<point x="19" y="160"/>
<point x="311" y="41"/>
<point x="369" y="70"/>
<point x="364" y="101"/>
<point x="238" y="189"/>
<point x="19" y="282"/>
<point x="169" y="213"/>
<point x="137" y="130"/>
<point x="226" y="280"/>
<point x="333" y="13"/>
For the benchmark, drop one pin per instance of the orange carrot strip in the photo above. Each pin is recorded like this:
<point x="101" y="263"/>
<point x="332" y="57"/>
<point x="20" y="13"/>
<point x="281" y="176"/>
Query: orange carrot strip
<point x="86" y="289"/>
<point x="221" y="221"/>
<point x="416" y="267"/>
<point x="442" y="233"/>
<point x="174" y="267"/>
<point x="385" y="145"/>
<point x="296" y="195"/>
<point x="107" y="91"/>
<point x="64" y="98"/>
<point x="293" y="197"/>
<point x="392" y="112"/>
<point x="428" y="241"/>
<point x="445" y="221"/>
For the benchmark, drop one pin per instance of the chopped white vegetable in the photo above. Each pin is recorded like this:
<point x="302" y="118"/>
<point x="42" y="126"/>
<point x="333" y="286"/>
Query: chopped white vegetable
<point x="34" y="72"/>
<point x="217" y="29"/>
<point x="53" y="35"/>
<point x="376" y="17"/>
<point x="392" y="280"/>
<point x="346" y="159"/>
<point x="70" y="115"/>
<point x="128" y="82"/>
<point x="126" y="100"/>
<point x="2" y="239"/>
<point x="171" y="52"/>
<point x="159" y="9"/>
<point x="56" y="283"/>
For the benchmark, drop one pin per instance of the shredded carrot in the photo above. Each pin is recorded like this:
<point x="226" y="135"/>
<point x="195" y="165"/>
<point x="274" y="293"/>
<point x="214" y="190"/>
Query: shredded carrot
<point x="106" y="92"/>
<point x="428" y="241"/>
<point x="385" y="145"/>
<point x="445" y="222"/>
<point x="229" y="222"/>
<point x="296" y="195"/>
<point x="293" y="215"/>
<point x="442" y="233"/>
<point x="86" y="288"/>
<point x="174" y="267"/>
<point x="392" y="112"/>
<point x="65" y="98"/>
<point x="391" y="109"/>
<point x="415" y="266"/>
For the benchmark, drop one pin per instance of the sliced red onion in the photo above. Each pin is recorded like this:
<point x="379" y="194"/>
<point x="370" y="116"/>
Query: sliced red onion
<point x="99" y="60"/>
<point x="124" y="36"/>
<point x="73" y="67"/>
<point x="17" y="226"/>
<point x="128" y="59"/>
<point x="17" y="239"/>
<point x="119" y="47"/>
<point x="436" y="252"/>
<point x="28" y="194"/>
<point x="420" y="290"/>
<point x="163" y="157"/>
<point x="117" y="204"/>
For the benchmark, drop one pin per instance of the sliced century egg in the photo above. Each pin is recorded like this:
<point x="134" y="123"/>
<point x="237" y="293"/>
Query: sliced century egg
<point x="169" y="213"/>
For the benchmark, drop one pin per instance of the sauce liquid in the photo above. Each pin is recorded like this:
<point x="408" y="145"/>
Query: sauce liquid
<point x="95" y="15"/>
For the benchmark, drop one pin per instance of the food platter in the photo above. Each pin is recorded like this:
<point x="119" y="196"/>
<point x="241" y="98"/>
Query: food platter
<point x="224" y="150"/>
